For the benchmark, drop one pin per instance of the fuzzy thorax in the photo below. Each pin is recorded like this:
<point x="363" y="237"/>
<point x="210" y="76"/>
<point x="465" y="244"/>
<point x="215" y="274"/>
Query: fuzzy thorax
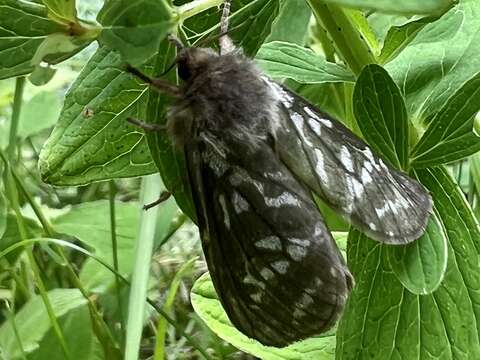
<point x="225" y="97"/>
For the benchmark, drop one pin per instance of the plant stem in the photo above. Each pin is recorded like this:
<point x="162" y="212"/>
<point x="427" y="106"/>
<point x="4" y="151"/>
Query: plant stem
<point x="14" y="203"/>
<point x="195" y="7"/>
<point x="16" y="108"/>
<point x="151" y="185"/>
<point x="113" y="232"/>
<point x="346" y="38"/>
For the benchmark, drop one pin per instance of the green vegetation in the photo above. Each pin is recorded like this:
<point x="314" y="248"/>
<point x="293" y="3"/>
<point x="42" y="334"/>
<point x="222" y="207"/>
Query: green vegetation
<point x="78" y="256"/>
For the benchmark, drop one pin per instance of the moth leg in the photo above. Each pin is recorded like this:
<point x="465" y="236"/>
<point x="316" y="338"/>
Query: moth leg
<point x="161" y="85"/>
<point x="165" y="195"/>
<point x="146" y="126"/>
<point x="226" y="44"/>
<point x="175" y="41"/>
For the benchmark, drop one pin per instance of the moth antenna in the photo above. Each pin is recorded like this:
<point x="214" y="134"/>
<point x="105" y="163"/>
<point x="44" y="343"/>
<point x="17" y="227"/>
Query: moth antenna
<point x="226" y="44"/>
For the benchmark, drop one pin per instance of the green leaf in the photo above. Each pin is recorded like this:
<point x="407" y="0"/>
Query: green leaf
<point x="381" y="114"/>
<point x="442" y="57"/>
<point x="383" y="320"/>
<point x="168" y="157"/>
<point x="92" y="140"/>
<point x="135" y="28"/>
<point x="206" y="304"/>
<point x="11" y="234"/>
<point x="41" y="75"/>
<point x="25" y="25"/>
<point x="250" y="23"/>
<point x="450" y="135"/>
<point x="285" y="60"/>
<point x="62" y="11"/>
<point x="3" y="215"/>
<point x="58" y="43"/>
<point x="399" y="7"/>
<point x="398" y="38"/>
<point x="36" y="334"/>
<point x="39" y="113"/>
<point x="291" y="24"/>
<point x="420" y="266"/>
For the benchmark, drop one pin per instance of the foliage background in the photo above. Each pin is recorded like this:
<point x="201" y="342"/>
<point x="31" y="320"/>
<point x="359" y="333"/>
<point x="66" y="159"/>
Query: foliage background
<point x="404" y="75"/>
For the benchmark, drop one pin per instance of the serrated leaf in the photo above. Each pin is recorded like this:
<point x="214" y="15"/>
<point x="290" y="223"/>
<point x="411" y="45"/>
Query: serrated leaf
<point x="24" y="27"/>
<point x="441" y="58"/>
<point x="399" y="7"/>
<point x="92" y="140"/>
<point x="381" y="114"/>
<point x="383" y="320"/>
<point x="450" y="135"/>
<point x="206" y="304"/>
<point x="135" y="27"/>
<point x="420" y="266"/>
<point x="34" y="327"/>
<point x="285" y="60"/>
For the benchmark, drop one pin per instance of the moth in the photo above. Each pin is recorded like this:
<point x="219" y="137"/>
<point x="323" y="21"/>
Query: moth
<point x="255" y="153"/>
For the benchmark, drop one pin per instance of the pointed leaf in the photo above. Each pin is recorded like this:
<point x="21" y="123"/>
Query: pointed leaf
<point x="381" y="114"/>
<point x="92" y="140"/>
<point x="450" y="135"/>
<point x="285" y="60"/>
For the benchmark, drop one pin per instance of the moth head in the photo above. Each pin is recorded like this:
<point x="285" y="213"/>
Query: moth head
<point x="193" y="61"/>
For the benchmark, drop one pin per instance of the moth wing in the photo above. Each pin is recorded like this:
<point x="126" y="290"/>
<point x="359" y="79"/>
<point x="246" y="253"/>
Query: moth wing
<point x="339" y="167"/>
<point x="275" y="266"/>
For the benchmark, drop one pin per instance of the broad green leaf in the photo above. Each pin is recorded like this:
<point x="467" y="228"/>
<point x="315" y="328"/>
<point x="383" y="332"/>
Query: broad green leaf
<point x="285" y="60"/>
<point x="135" y="27"/>
<point x="442" y="57"/>
<point x="398" y="37"/>
<point x="168" y="157"/>
<point x="383" y="320"/>
<point x="62" y="11"/>
<point x="474" y="167"/>
<point x="34" y="328"/>
<point x="450" y="135"/>
<point x="291" y="24"/>
<point x="206" y="304"/>
<point x="25" y="25"/>
<point x="90" y="223"/>
<point x="92" y="140"/>
<point x="381" y="114"/>
<point x="39" y="113"/>
<point x="399" y="7"/>
<point x="420" y="266"/>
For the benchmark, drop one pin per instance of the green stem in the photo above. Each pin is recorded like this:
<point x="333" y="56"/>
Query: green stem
<point x="195" y="7"/>
<point x="14" y="203"/>
<point x="17" y="106"/>
<point x="346" y="38"/>
<point x="11" y="318"/>
<point x="113" y="232"/>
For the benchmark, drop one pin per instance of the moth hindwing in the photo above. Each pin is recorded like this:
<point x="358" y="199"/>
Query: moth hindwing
<point x="255" y="151"/>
